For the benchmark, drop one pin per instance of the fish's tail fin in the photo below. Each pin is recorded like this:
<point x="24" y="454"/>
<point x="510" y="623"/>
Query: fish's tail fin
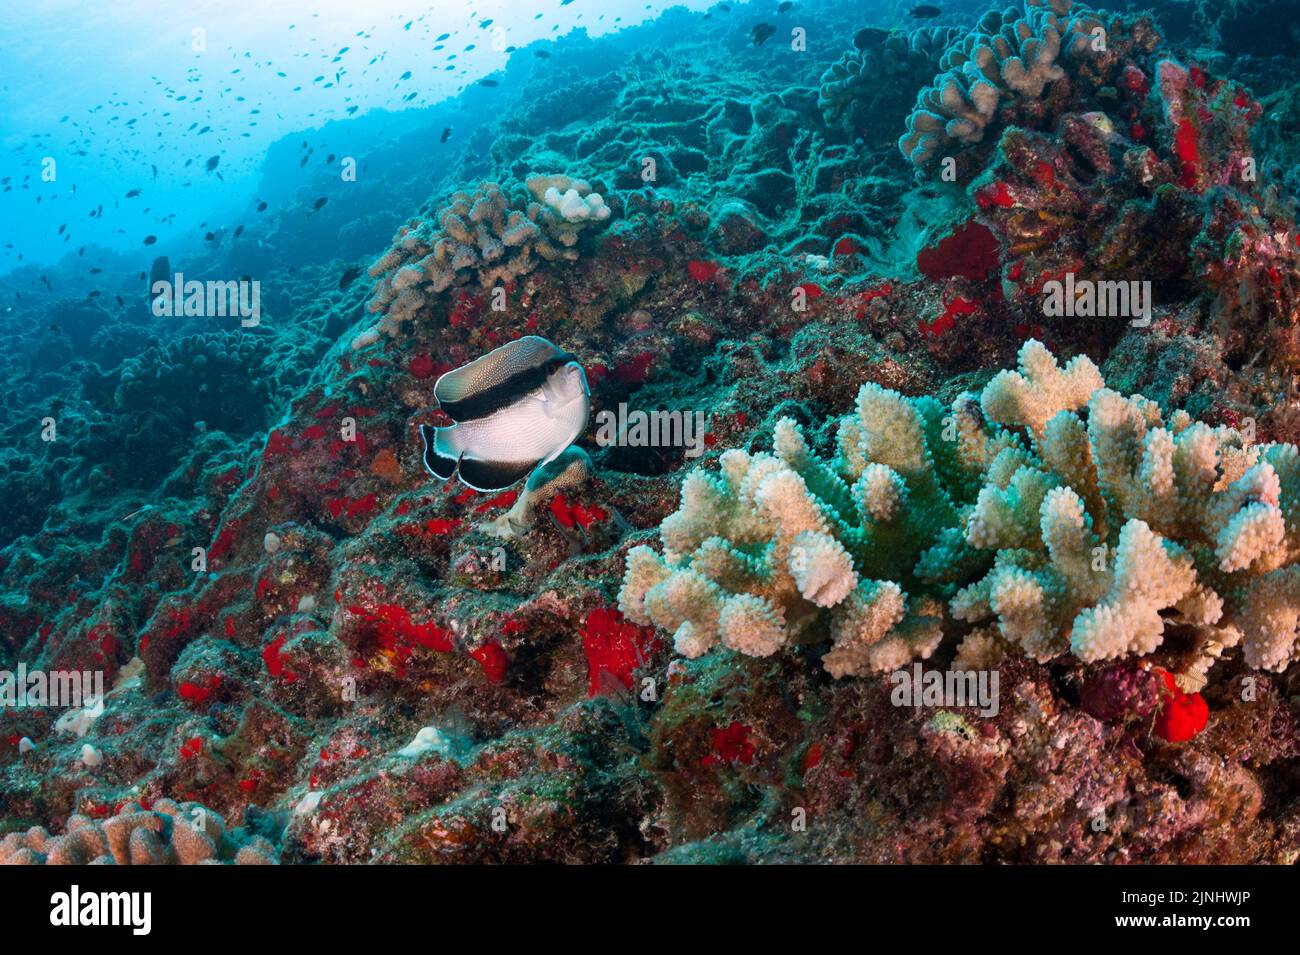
<point x="440" y="454"/>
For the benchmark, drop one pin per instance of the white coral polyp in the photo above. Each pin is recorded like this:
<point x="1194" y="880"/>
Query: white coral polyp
<point x="575" y="207"/>
<point x="822" y="569"/>
<point x="752" y="626"/>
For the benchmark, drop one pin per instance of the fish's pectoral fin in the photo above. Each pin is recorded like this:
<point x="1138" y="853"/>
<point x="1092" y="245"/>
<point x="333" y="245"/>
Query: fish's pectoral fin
<point x="493" y="475"/>
<point x="439" y="458"/>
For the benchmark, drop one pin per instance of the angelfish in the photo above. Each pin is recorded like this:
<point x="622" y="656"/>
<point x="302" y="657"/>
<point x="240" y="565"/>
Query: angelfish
<point x="515" y="408"/>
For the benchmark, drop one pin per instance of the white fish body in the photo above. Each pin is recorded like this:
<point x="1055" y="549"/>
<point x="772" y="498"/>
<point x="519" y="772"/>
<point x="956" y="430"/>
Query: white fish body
<point x="515" y="408"/>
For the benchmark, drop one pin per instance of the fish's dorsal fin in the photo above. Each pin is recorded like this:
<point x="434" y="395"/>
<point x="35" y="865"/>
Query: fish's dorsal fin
<point x="498" y="379"/>
<point x="494" y="367"/>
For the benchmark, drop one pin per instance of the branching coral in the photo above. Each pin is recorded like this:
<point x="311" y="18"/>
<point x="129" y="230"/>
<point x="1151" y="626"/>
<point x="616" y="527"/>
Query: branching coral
<point x="1053" y="513"/>
<point x="753" y="556"/>
<point x="492" y="234"/>
<point x="1010" y="56"/>
<point x="170" y="833"/>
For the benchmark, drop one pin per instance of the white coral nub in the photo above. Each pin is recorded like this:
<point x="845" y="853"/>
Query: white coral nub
<point x="822" y="568"/>
<point x="575" y="207"/>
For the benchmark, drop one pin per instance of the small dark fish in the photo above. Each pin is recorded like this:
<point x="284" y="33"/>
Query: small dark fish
<point x="868" y="37"/>
<point x="261" y="207"/>
<point x="349" y="276"/>
<point x="541" y="54"/>
<point x="925" y="11"/>
<point x="319" y="202"/>
<point x="150" y="239"/>
<point x="133" y="193"/>
<point x="488" y="83"/>
<point x="212" y="163"/>
<point x="785" y="5"/>
<point x="239" y="231"/>
<point x="761" y="33"/>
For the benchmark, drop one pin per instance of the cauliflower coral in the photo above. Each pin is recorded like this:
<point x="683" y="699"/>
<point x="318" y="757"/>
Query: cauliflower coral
<point x="1048" y="516"/>
<point x="1010" y="56"/>
<point x="493" y="234"/>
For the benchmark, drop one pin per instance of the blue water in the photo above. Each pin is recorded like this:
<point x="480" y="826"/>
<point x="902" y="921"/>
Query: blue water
<point x="138" y="96"/>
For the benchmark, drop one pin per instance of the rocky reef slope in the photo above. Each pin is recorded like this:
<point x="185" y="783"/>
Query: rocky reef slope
<point x="318" y="653"/>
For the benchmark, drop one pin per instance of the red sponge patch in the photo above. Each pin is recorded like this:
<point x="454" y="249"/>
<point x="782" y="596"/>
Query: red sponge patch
<point x="970" y="251"/>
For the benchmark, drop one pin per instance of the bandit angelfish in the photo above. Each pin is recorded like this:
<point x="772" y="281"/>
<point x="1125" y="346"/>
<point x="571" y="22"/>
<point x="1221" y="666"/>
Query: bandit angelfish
<point x="515" y="408"/>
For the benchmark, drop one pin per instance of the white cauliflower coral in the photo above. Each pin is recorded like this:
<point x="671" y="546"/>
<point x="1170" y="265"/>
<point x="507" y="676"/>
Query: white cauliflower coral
<point x="755" y="554"/>
<point x="1049" y="516"/>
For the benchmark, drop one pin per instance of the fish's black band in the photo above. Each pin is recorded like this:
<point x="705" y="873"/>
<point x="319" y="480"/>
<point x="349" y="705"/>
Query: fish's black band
<point x="506" y="393"/>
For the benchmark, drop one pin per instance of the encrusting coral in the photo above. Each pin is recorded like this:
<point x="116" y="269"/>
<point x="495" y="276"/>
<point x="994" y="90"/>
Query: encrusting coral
<point x="1011" y="55"/>
<point x="1052" y="512"/>
<point x="883" y="59"/>
<point x="493" y="234"/>
<point x="170" y="833"/>
<point x="206" y="376"/>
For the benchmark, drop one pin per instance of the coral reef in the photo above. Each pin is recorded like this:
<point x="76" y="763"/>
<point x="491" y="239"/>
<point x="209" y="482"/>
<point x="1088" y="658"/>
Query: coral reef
<point x="1102" y="530"/>
<point x="306" y="632"/>
<point x="997" y="73"/>
<point x="169" y="833"/>
<point x="216" y="378"/>
<point x="863" y="83"/>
